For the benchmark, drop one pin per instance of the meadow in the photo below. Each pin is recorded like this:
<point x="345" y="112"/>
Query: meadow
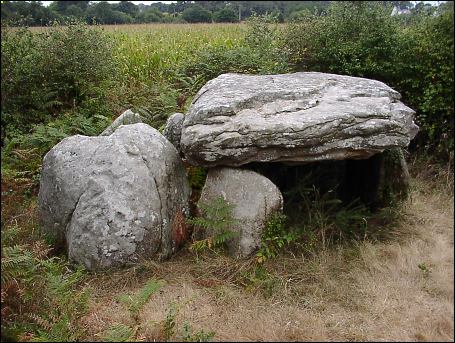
<point x="62" y="81"/>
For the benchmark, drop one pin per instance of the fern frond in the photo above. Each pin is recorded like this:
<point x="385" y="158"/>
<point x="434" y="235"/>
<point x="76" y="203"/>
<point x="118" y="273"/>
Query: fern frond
<point x="118" y="333"/>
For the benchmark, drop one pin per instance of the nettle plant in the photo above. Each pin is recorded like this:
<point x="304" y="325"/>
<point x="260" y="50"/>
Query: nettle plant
<point x="217" y="220"/>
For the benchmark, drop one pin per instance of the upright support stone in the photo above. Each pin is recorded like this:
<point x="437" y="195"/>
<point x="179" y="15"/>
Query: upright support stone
<point x="114" y="199"/>
<point x="254" y="198"/>
<point x="393" y="183"/>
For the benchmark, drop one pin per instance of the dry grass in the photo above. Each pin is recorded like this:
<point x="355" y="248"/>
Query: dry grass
<point x="399" y="290"/>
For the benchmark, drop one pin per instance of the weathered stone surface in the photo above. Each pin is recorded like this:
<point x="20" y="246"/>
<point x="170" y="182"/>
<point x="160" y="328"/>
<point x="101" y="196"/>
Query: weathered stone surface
<point x="393" y="183"/>
<point x="302" y="117"/>
<point x="114" y="198"/>
<point x="255" y="198"/>
<point x="173" y="129"/>
<point x="126" y="118"/>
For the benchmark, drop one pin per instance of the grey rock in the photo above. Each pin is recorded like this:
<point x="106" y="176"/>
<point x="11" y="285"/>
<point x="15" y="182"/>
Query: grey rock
<point x="114" y="199"/>
<point x="173" y="129"/>
<point x="394" y="179"/>
<point x="302" y="117"/>
<point x="254" y="197"/>
<point x="126" y="118"/>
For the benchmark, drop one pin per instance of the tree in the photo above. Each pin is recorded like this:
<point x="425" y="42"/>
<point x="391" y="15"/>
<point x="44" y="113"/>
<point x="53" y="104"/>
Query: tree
<point x="103" y="13"/>
<point x="127" y="7"/>
<point x="225" y="15"/>
<point x="74" y="11"/>
<point x="62" y="6"/>
<point x="31" y="13"/>
<point x="150" y="15"/>
<point x="197" y="14"/>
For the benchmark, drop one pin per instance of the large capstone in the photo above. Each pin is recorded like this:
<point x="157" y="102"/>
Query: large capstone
<point x="254" y="198"/>
<point x="296" y="118"/>
<point x="114" y="199"/>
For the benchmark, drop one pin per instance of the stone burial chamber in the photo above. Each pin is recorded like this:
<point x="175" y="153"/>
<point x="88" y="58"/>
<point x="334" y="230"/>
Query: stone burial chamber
<point x="347" y="132"/>
<point x="124" y="195"/>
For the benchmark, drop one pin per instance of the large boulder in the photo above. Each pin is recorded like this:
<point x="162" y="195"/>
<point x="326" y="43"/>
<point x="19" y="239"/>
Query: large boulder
<point x="302" y="117"/>
<point x="115" y="198"/>
<point x="254" y="198"/>
<point x="126" y="118"/>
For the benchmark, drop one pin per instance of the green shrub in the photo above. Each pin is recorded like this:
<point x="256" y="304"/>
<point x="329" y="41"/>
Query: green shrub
<point x="275" y="237"/>
<point x="414" y="55"/>
<point x="197" y="14"/>
<point x="424" y="76"/>
<point x="225" y="15"/>
<point x="356" y="39"/>
<point x="59" y="70"/>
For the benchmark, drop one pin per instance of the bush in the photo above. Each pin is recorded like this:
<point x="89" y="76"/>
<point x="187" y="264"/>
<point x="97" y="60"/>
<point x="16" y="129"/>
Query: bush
<point x="424" y="76"/>
<point x="413" y="55"/>
<point x="45" y="74"/>
<point x="357" y="39"/>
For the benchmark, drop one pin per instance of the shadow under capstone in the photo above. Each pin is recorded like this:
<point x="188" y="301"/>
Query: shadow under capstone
<point x="375" y="182"/>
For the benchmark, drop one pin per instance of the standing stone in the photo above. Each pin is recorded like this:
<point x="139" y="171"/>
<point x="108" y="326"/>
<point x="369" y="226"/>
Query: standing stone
<point x="254" y="197"/>
<point x="302" y="117"/>
<point x="173" y="129"/>
<point x="114" y="199"/>
<point x="393" y="184"/>
<point x="126" y="118"/>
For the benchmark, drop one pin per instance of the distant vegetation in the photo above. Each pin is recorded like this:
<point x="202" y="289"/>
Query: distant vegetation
<point x="33" y="13"/>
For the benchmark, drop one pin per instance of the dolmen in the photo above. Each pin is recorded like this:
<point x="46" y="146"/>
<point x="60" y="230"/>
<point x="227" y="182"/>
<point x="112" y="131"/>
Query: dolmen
<point x="124" y="195"/>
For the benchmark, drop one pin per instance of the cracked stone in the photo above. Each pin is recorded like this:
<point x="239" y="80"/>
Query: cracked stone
<point x="85" y="201"/>
<point x="303" y="117"/>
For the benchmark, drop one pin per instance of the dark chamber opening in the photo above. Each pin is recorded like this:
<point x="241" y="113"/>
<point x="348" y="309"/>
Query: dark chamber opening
<point x="347" y="180"/>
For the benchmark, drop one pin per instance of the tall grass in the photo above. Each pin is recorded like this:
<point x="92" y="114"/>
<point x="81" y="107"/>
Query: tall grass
<point x="150" y="53"/>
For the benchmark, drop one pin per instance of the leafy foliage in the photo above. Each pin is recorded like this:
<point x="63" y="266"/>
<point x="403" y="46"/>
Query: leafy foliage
<point x="118" y="333"/>
<point x="197" y="14"/>
<point x="274" y="238"/>
<point x="414" y="55"/>
<point x="424" y="76"/>
<point x="216" y="221"/>
<point x="44" y="288"/>
<point x="50" y="72"/>
<point x="225" y="15"/>
<point x="136" y="301"/>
